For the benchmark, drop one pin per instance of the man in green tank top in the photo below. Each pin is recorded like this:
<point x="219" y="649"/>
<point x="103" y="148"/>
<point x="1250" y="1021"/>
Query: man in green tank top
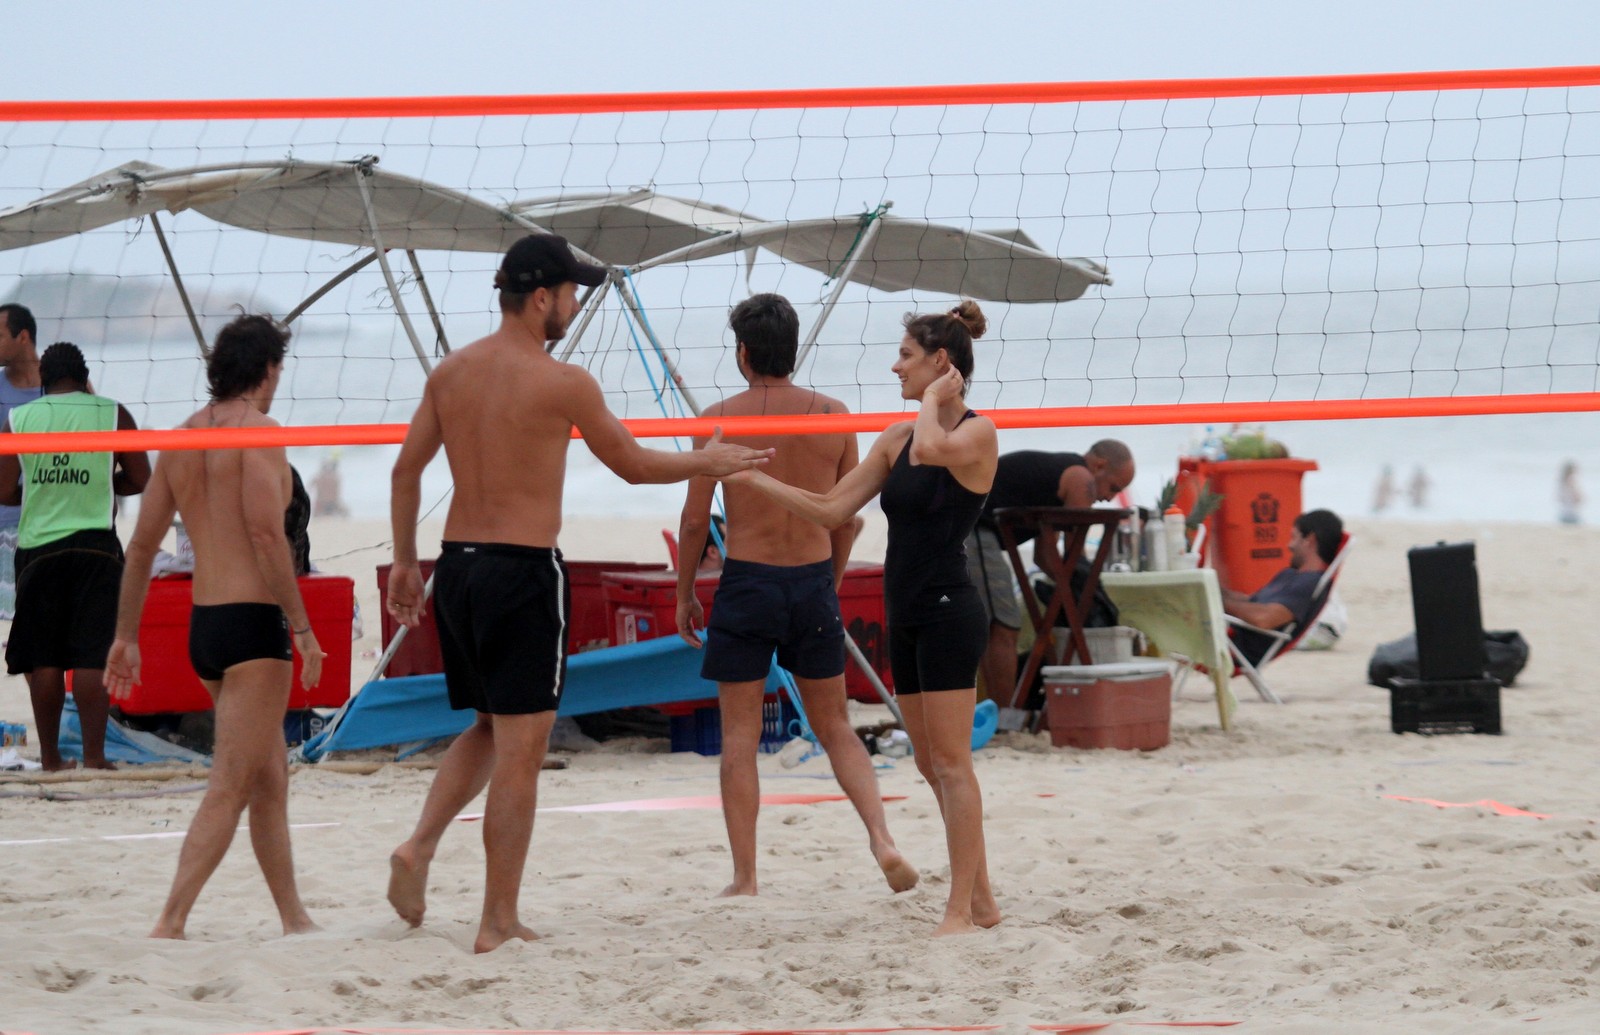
<point x="69" y="561"/>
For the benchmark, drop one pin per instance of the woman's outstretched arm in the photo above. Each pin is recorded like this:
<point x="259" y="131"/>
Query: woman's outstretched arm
<point x="840" y="503"/>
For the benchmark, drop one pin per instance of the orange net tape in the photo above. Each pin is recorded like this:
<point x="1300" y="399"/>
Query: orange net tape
<point x="821" y="423"/>
<point x="730" y="100"/>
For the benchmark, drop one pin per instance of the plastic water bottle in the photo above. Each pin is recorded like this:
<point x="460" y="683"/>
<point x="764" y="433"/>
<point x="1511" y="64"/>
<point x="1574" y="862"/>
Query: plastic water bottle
<point x="1176" y="527"/>
<point x="1155" y="545"/>
<point x="797" y="751"/>
<point x="1211" y="447"/>
<point x="894" y="744"/>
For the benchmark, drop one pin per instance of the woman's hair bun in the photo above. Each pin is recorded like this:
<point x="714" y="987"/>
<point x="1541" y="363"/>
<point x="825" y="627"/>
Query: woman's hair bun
<point x="971" y="317"/>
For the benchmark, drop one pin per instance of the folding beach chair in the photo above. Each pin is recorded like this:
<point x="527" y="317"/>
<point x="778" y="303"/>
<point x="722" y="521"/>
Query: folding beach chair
<point x="1284" y="639"/>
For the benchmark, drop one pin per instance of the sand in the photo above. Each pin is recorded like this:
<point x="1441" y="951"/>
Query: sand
<point x="1262" y="876"/>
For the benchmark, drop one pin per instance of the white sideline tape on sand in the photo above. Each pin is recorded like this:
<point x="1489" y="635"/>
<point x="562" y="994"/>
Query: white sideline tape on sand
<point x="637" y="805"/>
<point x="141" y="837"/>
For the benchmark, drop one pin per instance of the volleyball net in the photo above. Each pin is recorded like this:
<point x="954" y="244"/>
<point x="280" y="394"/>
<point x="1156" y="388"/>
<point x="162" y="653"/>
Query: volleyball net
<point x="1204" y="251"/>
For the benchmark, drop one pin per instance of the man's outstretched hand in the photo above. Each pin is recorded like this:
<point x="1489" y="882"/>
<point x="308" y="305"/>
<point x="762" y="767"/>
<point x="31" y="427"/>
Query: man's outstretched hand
<point x="723" y="458"/>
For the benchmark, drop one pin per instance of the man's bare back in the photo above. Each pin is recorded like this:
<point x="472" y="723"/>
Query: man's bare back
<point x="505" y="415"/>
<point x="208" y="487"/>
<point x="758" y="529"/>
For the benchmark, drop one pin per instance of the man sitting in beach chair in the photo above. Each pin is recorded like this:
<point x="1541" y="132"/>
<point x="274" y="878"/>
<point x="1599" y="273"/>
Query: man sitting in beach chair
<point x="1268" y="621"/>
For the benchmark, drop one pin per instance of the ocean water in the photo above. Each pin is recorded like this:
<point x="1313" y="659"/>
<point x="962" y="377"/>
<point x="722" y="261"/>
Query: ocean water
<point x="1499" y="468"/>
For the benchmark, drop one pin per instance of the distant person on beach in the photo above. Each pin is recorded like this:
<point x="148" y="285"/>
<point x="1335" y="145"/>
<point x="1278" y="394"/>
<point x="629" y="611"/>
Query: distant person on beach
<point x="1313" y="544"/>
<point x="778" y="592"/>
<point x="19" y="355"/>
<point x="1029" y="478"/>
<point x="503" y="410"/>
<point x="933" y="473"/>
<point x="1418" y="488"/>
<point x="1383" y="495"/>
<point x="329" y="489"/>
<point x="1569" y="497"/>
<point x="69" y="560"/>
<point x="247" y="610"/>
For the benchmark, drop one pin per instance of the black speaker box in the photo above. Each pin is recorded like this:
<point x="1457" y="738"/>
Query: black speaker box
<point x="1444" y="600"/>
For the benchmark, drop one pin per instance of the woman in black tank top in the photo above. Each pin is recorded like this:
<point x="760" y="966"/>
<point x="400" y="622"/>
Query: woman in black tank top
<point x="934" y="473"/>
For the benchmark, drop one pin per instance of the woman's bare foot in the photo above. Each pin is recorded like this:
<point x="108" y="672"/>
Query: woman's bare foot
<point x="738" y="888"/>
<point x="986" y="916"/>
<point x="164" y="930"/>
<point x="952" y="925"/>
<point x="490" y="940"/>
<point x="408" y="885"/>
<point x="98" y="763"/>
<point x="901" y="875"/>
<point x="300" y="925"/>
<point x="55" y="763"/>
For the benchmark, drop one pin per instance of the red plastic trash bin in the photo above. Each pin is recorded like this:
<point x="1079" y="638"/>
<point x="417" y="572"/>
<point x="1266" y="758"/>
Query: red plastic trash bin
<point x="1248" y="537"/>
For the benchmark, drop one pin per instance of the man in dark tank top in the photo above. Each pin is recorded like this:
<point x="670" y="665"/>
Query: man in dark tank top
<point x="1032" y="478"/>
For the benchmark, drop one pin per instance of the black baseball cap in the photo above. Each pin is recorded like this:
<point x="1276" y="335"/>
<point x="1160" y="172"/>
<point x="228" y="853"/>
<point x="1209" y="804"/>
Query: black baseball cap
<point x="543" y="261"/>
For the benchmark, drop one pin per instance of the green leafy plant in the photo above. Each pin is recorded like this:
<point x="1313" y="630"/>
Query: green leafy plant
<point x="1205" y="505"/>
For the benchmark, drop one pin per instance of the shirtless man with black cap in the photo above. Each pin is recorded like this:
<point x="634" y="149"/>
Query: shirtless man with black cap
<point x="504" y="410"/>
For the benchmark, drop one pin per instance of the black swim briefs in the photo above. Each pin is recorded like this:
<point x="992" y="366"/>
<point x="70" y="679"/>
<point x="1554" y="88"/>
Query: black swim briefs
<point x="502" y="613"/>
<point x="66" y="603"/>
<point x="224" y="635"/>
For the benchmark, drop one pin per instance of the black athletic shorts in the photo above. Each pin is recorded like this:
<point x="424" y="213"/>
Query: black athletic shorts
<point x="942" y="655"/>
<point x="66" y="603"/>
<point x="224" y="635"/>
<point x="761" y="608"/>
<point x="502" y="613"/>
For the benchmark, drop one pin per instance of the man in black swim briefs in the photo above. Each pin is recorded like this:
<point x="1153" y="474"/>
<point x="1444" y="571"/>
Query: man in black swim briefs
<point x="503" y="409"/>
<point x="247" y="611"/>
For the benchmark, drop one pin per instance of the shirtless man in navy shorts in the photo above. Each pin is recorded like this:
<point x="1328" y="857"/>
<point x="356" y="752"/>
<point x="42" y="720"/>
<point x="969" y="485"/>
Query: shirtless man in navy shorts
<point x="247" y="607"/>
<point x="778" y="592"/>
<point x="504" y="410"/>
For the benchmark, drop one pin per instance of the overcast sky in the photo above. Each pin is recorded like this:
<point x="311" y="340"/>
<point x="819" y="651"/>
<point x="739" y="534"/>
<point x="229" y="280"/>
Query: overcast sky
<point x="74" y="49"/>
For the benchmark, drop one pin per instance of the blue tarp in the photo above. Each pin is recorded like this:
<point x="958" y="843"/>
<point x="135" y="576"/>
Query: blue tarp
<point x="416" y="708"/>
<point x="122" y="744"/>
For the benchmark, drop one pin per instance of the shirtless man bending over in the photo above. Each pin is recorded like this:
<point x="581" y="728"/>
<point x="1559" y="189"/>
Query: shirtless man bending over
<point x="504" y="410"/>
<point x="778" y="592"/>
<point x="246" y="608"/>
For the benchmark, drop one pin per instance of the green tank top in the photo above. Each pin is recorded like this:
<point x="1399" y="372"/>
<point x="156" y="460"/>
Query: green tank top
<point x="63" y="493"/>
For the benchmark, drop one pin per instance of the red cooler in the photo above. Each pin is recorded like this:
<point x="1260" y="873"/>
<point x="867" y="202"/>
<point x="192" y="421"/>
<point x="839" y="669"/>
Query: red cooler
<point x="588" y="627"/>
<point x="865" y="619"/>
<point x="1248" y="538"/>
<point x="168" y="684"/>
<point x="644" y="605"/>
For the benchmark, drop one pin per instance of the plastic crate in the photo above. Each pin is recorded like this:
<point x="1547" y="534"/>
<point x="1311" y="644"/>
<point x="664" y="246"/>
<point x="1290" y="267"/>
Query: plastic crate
<point x="1444" y="705"/>
<point x="700" y="730"/>
<point x="1107" y="645"/>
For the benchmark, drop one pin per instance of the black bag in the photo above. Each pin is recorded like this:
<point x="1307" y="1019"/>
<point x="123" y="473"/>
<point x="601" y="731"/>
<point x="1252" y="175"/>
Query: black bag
<point x="1505" y="651"/>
